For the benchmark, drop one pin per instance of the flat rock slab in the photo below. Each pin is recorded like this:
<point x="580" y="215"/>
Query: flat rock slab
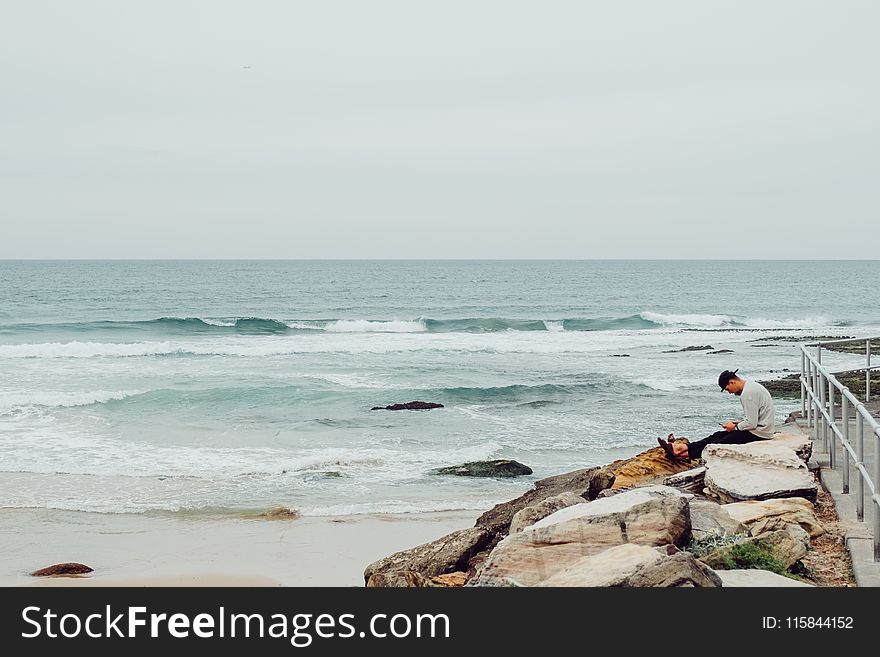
<point x="733" y="578"/>
<point x="799" y="443"/>
<point x="756" y="471"/>
<point x="691" y="481"/>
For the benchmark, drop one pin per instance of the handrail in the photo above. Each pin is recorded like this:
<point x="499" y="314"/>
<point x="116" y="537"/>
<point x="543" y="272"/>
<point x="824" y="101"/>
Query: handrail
<point x="818" y="387"/>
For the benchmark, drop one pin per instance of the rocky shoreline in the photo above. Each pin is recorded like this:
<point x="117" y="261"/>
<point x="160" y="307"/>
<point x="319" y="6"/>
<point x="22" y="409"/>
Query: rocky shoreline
<point x="742" y="516"/>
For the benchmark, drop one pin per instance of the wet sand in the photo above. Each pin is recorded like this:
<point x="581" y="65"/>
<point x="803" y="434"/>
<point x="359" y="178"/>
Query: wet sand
<point x="141" y="550"/>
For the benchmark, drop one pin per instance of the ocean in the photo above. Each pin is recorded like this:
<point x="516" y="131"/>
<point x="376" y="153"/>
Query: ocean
<point x="232" y="387"/>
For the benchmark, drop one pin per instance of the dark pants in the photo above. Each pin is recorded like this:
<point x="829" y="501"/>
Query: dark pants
<point x="735" y="437"/>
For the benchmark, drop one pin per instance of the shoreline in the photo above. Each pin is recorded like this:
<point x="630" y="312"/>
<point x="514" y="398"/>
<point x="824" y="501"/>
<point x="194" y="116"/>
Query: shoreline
<point x="137" y="550"/>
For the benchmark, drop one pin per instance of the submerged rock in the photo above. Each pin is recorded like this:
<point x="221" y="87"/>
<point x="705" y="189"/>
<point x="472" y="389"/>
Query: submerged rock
<point x="69" y="568"/>
<point x="280" y="513"/>
<point x="703" y="347"/>
<point x="497" y="468"/>
<point x="408" y="406"/>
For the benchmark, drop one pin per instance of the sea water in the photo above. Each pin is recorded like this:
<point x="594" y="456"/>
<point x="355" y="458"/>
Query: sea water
<point x="218" y="387"/>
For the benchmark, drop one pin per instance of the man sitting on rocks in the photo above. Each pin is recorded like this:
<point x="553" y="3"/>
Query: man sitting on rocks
<point x="758" y="423"/>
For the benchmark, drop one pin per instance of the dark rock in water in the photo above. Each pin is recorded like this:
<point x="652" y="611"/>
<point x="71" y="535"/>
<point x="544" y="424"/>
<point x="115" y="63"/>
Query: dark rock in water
<point x="621" y="355"/>
<point x="787" y="386"/>
<point x="721" y="351"/>
<point x="70" y="568"/>
<point x="409" y="406"/>
<point x="790" y="386"/>
<point x="694" y="348"/>
<point x="497" y="468"/>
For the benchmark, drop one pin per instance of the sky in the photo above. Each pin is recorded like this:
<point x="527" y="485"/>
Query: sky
<point x="456" y="129"/>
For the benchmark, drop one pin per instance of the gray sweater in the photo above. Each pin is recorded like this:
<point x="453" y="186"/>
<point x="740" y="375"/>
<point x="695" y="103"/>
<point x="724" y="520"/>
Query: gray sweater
<point x="758" y="409"/>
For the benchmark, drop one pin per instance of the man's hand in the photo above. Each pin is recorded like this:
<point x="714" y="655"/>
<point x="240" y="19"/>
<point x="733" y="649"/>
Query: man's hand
<point x="729" y="426"/>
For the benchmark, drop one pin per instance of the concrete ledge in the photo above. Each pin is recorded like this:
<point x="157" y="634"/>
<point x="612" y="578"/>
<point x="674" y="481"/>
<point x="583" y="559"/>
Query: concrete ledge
<point x="859" y="538"/>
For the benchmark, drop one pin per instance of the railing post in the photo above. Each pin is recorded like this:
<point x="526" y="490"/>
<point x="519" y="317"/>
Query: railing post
<point x="822" y="419"/>
<point x="860" y="454"/>
<point x="874" y="504"/>
<point x="844" y="427"/>
<point x="809" y="386"/>
<point x="867" y="370"/>
<point x="803" y="385"/>
<point x="832" y="448"/>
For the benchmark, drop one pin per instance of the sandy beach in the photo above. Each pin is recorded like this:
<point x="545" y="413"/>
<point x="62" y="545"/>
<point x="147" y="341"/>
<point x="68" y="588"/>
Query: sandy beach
<point x="141" y="550"/>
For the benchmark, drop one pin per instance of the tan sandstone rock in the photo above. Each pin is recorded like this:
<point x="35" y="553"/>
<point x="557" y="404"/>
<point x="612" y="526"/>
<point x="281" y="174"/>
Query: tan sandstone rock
<point x="761" y="516"/>
<point x="653" y="515"/>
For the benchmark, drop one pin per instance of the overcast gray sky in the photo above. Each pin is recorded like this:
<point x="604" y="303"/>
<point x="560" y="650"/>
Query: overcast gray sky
<point x="472" y="129"/>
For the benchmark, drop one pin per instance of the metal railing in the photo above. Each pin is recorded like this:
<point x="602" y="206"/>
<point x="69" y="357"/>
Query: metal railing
<point x="818" y="387"/>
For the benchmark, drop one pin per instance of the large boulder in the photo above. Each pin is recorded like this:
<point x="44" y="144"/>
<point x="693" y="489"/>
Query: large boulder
<point x="678" y="570"/>
<point x="496" y="468"/>
<point x="650" y="467"/>
<point x="586" y="483"/>
<point x="635" y="565"/>
<point x="710" y="518"/>
<point x="753" y="578"/>
<point x="756" y="471"/>
<point x="766" y="515"/>
<point x="532" y="514"/>
<point x="448" y="554"/>
<point x="654" y="515"/>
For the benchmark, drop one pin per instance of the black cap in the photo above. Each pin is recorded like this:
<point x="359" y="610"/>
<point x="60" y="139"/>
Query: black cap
<point x="725" y="377"/>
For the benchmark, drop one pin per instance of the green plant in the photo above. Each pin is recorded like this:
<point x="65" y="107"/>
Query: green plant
<point x="700" y="547"/>
<point x="755" y="555"/>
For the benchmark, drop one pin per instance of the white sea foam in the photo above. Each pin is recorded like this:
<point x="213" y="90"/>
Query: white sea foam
<point x="805" y="323"/>
<point x="723" y="321"/>
<point x="85" y="349"/>
<point x="553" y="326"/>
<point x="367" y="326"/>
<point x="11" y="402"/>
<point x="401" y="506"/>
<point x="687" y="320"/>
